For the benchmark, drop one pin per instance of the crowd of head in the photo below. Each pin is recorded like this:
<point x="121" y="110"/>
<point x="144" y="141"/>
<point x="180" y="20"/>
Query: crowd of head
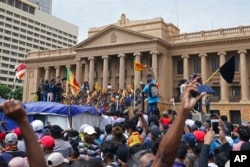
<point x="158" y="139"/>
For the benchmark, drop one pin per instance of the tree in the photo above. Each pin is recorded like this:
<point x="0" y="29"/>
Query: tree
<point x="4" y="91"/>
<point x="18" y="93"/>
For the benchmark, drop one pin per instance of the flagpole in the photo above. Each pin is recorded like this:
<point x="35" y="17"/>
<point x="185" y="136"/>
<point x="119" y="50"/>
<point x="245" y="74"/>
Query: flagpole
<point x="12" y="87"/>
<point x="212" y="76"/>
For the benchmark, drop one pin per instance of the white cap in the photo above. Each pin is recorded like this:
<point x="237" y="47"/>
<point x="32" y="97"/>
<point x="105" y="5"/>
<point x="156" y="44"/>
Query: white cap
<point x="90" y="130"/>
<point x="18" y="162"/>
<point x="37" y="125"/>
<point x="55" y="159"/>
<point x="82" y="127"/>
<point x="11" y="138"/>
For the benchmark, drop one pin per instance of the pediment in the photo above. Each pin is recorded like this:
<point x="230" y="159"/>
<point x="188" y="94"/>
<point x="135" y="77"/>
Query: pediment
<point x="114" y="35"/>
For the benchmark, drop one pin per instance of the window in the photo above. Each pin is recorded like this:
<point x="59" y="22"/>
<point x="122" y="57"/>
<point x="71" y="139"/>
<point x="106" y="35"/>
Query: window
<point x="236" y="91"/>
<point x="9" y="19"/>
<point x="32" y="10"/>
<point x="10" y="2"/>
<point x="6" y="45"/>
<point x="24" y="18"/>
<point x="4" y="72"/>
<point x="15" y="34"/>
<point x="8" y="25"/>
<point x="23" y="36"/>
<point x="13" y="60"/>
<point x="7" y="32"/>
<point x="179" y="65"/>
<point x="5" y="65"/>
<point x="13" y="46"/>
<point x="16" y="22"/>
<point x="197" y="65"/>
<point x="214" y="63"/>
<point x="15" y="41"/>
<point x="24" y="24"/>
<point x="235" y="117"/>
<point x="25" y="7"/>
<point x="23" y="30"/>
<point x="18" y="4"/>
<point x="9" y="13"/>
<point x="16" y="28"/>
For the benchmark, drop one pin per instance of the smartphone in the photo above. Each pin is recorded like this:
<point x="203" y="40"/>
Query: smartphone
<point x="214" y="126"/>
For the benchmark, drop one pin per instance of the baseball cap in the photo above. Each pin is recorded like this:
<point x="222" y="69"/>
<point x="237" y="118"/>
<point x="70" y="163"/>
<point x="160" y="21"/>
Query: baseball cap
<point x="55" y="159"/>
<point x="199" y="135"/>
<point x="189" y="138"/>
<point x="17" y="131"/>
<point x="155" y="131"/>
<point x="82" y="127"/>
<point x="47" y="141"/>
<point x="90" y="130"/>
<point x="18" y="162"/>
<point x="10" y="138"/>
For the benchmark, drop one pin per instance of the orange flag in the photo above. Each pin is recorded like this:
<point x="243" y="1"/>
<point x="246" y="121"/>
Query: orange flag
<point x="138" y="66"/>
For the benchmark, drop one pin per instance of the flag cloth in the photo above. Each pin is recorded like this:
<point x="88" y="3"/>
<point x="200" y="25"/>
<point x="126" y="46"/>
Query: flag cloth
<point x="71" y="80"/>
<point x="97" y="86"/>
<point x="227" y="70"/>
<point x="20" y="70"/>
<point x="138" y="66"/>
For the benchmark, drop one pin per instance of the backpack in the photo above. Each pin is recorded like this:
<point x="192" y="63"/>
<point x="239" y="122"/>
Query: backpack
<point x="153" y="90"/>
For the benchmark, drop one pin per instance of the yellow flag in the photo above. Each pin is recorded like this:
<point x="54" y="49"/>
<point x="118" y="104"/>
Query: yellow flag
<point x="138" y="66"/>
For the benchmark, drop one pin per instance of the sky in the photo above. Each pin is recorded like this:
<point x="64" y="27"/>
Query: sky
<point x="188" y="15"/>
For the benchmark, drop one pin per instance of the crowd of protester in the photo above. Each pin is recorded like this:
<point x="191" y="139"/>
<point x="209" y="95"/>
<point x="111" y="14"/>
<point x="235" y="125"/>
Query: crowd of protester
<point x="155" y="140"/>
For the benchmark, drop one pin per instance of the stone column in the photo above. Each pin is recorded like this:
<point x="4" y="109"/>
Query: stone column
<point x="203" y="57"/>
<point x="46" y="77"/>
<point x="185" y="67"/>
<point x="137" y="73"/>
<point x="155" y="63"/>
<point x="78" y="71"/>
<point x="105" y="71"/>
<point x="122" y="71"/>
<point x="223" y="83"/>
<point x="57" y="71"/>
<point x="86" y="71"/>
<point x="244" y="76"/>
<point x="91" y="73"/>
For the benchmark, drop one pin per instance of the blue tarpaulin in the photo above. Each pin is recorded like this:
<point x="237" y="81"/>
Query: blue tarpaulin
<point x="50" y="108"/>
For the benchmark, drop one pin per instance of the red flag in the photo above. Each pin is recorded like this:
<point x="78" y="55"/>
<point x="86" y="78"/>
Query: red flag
<point x="20" y="70"/>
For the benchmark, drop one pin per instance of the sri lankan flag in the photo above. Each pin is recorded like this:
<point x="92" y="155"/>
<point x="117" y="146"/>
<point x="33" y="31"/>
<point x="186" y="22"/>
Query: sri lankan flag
<point x="71" y="80"/>
<point x="138" y="66"/>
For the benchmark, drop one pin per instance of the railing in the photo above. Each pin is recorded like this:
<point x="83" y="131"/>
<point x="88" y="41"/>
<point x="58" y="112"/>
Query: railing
<point x="234" y="98"/>
<point x="214" y="98"/>
<point x="213" y="34"/>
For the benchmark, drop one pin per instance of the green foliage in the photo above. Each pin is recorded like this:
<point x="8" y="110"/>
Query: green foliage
<point x="4" y="91"/>
<point x="18" y="93"/>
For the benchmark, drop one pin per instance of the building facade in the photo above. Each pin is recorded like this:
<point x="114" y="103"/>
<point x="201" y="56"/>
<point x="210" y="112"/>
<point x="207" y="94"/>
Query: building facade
<point x="43" y="5"/>
<point x="107" y="56"/>
<point x="24" y="28"/>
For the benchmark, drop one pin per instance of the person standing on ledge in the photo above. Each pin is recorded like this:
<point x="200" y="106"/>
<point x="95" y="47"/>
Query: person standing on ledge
<point x="152" y="93"/>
